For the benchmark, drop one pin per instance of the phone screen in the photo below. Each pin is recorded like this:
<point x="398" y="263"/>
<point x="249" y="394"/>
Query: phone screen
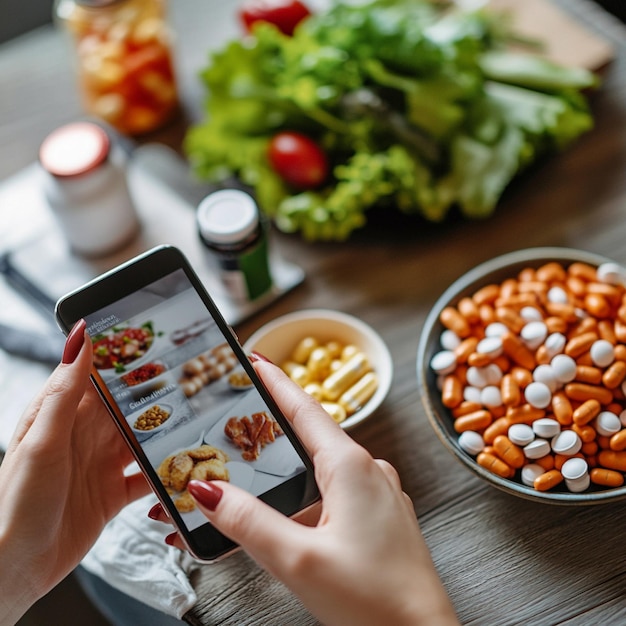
<point x="182" y="390"/>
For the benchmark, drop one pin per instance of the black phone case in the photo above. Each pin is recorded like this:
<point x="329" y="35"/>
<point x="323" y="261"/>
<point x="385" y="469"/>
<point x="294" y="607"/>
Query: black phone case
<point x="290" y="497"/>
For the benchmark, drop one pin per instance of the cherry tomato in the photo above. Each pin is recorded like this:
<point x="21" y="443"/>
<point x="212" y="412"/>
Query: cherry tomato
<point x="284" y="14"/>
<point x="298" y="160"/>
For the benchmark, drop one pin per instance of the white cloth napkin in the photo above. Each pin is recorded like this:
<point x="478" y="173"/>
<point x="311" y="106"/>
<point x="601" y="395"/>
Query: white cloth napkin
<point x="132" y="556"/>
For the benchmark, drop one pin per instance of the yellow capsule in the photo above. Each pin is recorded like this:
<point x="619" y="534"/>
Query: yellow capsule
<point x="318" y="363"/>
<point x="315" y="390"/>
<point x="302" y="351"/>
<point x="356" y="396"/>
<point x="336" y="411"/>
<point x="300" y="375"/>
<point x="345" y="376"/>
<point x="289" y="366"/>
<point x="334" y="349"/>
<point x="348" y="352"/>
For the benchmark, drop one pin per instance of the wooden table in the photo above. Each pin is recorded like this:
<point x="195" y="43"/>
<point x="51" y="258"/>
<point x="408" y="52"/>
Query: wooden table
<point x="503" y="560"/>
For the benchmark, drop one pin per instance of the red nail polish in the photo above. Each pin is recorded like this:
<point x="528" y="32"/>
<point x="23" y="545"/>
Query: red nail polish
<point x="170" y="539"/>
<point x="74" y="342"/>
<point x="207" y="494"/>
<point x="257" y="356"/>
<point x="155" y="512"/>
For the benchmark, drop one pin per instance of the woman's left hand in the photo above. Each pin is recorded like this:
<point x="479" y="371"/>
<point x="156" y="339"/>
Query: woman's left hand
<point x="61" y="481"/>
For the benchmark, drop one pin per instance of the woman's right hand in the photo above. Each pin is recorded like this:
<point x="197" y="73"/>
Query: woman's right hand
<point x="365" y="561"/>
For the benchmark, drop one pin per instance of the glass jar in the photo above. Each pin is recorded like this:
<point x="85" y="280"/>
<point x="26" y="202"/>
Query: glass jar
<point x="231" y="227"/>
<point x="123" y="60"/>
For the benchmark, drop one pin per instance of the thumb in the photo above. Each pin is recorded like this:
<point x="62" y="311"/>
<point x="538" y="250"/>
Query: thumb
<point x="263" y="532"/>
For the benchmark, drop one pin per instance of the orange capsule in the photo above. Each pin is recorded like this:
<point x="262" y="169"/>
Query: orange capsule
<point x="584" y="359"/>
<point x="517" y="351"/>
<point x="478" y="359"/>
<point x="510" y="318"/>
<point x="611" y="293"/>
<point x="562" y="408"/>
<point x="469" y="310"/>
<point x="606" y="477"/>
<point x="510" y="391"/>
<point x="466" y="407"/>
<point x="556" y="324"/>
<point x="611" y="459"/>
<point x="563" y="310"/>
<point x="614" y="374"/>
<point x="502" y="362"/>
<point x="589" y="449"/>
<point x="545" y="462"/>
<point x="478" y="420"/>
<point x="576" y="286"/>
<point x="551" y="272"/>
<point x="454" y="321"/>
<point x="487" y="314"/>
<point x="508" y="287"/>
<point x="543" y="355"/>
<point x="606" y="332"/>
<point x="588" y="374"/>
<point x="527" y="274"/>
<point x="620" y="330"/>
<point x="617" y="441"/>
<point x="451" y="391"/>
<point x="493" y="464"/>
<point x="580" y="344"/>
<point x="498" y="427"/>
<point x="583" y="392"/>
<point x="524" y="414"/>
<point x="586" y="433"/>
<point x="465" y="348"/>
<point x="522" y="376"/>
<point x="486" y="294"/>
<point x="597" y="305"/>
<point x="533" y="286"/>
<point x="548" y="480"/>
<point x="620" y="352"/>
<point x="604" y="442"/>
<point x="584" y="271"/>
<point x="510" y="453"/>
<point x="586" y="412"/>
<point x="586" y="325"/>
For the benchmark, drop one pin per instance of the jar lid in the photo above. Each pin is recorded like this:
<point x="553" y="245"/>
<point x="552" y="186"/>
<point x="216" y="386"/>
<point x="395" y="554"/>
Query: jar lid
<point x="227" y="216"/>
<point x="74" y="149"/>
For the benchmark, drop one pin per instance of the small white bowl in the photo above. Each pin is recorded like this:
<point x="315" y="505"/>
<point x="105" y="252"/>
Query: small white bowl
<point x="277" y="339"/>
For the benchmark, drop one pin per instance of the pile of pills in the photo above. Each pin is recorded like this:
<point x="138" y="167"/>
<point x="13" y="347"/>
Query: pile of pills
<point x="339" y="375"/>
<point x="533" y="371"/>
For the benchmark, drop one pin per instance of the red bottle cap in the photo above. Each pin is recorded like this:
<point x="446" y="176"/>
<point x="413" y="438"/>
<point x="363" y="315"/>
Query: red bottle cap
<point x="74" y="149"/>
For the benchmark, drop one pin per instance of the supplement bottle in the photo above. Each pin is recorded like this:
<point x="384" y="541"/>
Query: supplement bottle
<point x="84" y="182"/>
<point x="123" y="61"/>
<point x="232" y="229"/>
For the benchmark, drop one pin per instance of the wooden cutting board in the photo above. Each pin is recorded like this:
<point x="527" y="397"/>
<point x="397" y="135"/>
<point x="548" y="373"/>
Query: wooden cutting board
<point x="565" y="39"/>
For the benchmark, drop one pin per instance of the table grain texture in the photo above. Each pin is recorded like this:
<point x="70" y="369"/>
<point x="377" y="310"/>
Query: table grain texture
<point x="503" y="560"/>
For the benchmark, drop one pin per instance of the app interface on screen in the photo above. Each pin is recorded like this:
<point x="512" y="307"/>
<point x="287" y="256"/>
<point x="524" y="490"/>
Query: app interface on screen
<point x="189" y="402"/>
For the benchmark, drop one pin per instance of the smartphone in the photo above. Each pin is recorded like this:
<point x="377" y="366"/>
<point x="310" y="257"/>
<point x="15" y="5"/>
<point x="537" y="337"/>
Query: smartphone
<point x="184" y="395"/>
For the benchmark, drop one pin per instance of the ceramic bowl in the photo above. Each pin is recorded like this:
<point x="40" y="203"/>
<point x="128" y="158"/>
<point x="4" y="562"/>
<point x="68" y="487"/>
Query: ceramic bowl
<point x="277" y="339"/>
<point x="440" y="417"/>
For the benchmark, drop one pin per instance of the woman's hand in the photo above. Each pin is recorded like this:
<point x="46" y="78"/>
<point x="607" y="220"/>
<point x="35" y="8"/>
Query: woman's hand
<point x="365" y="561"/>
<point x="61" y="481"/>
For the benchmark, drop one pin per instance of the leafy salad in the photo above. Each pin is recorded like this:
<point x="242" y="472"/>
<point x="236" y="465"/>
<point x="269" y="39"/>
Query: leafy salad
<point x="405" y="104"/>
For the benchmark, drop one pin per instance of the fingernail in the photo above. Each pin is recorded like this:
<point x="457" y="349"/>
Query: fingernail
<point x="206" y="493"/>
<point x="74" y="342"/>
<point x="170" y="539"/>
<point x="155" y="512"/>
<point x="257" y="356"/>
